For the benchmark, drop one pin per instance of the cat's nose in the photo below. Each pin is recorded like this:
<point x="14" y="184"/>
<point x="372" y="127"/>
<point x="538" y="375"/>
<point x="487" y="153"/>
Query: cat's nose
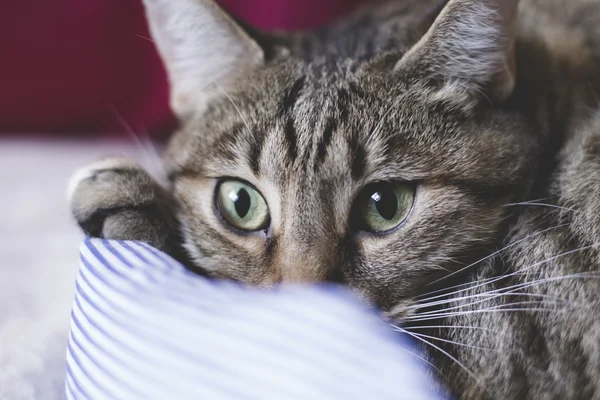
<point x="297" y="271"/>
<point x="304" y="267"/>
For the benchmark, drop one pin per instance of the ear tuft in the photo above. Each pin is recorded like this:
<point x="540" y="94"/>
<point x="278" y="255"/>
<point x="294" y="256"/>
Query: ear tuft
<point x="203" y="49"/>
<point x="470" y="50"/>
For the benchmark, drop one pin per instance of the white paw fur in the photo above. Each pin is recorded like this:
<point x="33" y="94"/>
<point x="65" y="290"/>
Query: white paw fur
<point x="90" y="170"/>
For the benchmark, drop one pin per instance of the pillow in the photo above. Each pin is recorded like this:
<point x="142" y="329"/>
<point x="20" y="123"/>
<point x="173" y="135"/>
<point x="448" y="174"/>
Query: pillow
<point x="144" y="327"/>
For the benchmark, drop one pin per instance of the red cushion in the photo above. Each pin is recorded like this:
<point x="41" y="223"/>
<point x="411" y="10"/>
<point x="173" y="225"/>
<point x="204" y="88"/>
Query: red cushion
<point x="73" y="66"/>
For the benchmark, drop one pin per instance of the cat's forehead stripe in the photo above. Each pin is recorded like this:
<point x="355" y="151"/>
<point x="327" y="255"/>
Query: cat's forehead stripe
<point x="358" y="155"/>
<point x="331" y="109"/>
<point x="325" y="141"/>
<point x="257" y="141"/>
<point x="291" y="139"/>
<point x="291" y="95"/>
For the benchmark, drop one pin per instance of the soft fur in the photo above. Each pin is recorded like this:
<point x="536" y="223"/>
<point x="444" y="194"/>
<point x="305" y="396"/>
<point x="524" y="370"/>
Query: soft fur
<point x="487" y="106"/>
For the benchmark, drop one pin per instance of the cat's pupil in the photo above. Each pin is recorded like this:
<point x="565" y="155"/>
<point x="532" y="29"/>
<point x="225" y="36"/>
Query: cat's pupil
<point x="386" y="203"/>
<point x="242" y="203"/>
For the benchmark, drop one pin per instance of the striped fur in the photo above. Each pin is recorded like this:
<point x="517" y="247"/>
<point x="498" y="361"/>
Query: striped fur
<point x="478" y="106"/>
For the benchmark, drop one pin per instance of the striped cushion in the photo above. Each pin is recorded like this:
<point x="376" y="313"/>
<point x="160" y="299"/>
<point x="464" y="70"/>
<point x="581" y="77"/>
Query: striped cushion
<point x="143" y="327"/>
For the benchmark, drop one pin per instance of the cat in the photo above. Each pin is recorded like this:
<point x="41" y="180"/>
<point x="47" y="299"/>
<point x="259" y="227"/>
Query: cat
<point x="441" y="158"/>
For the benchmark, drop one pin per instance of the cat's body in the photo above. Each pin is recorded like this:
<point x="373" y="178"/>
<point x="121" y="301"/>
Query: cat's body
<point x="478" y="112"/>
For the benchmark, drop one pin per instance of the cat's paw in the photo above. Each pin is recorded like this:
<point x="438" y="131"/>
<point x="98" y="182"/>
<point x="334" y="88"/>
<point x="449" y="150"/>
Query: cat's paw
<point x="92" y="171"/>
<point x="116" y="198"/>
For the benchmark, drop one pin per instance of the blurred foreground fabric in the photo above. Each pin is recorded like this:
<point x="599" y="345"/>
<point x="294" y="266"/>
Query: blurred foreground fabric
<point x="80" y="67"/>
<point x="143" y="327"/>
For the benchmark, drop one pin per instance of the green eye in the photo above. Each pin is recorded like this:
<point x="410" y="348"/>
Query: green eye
<point x="384" y="206"/>
<point x="242" y="206"/>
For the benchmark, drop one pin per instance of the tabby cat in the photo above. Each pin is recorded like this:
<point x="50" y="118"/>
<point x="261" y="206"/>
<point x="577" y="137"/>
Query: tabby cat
<point x="441" y="158"/>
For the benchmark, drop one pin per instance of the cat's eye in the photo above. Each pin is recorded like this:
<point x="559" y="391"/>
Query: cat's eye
<point x="242" y="206"/>
<point x="382" y="207"/>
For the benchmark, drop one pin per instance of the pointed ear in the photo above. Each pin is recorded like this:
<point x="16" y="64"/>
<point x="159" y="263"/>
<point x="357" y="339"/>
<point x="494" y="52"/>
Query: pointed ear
<point x="203" y="49"/>
<point x="469" y="50"/>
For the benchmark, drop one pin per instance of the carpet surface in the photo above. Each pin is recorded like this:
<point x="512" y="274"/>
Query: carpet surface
<point x="39" y="257"/>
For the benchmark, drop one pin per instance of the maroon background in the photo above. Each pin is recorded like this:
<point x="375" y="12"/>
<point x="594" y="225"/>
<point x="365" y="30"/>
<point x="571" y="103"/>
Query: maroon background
<point x="73" y="66"/>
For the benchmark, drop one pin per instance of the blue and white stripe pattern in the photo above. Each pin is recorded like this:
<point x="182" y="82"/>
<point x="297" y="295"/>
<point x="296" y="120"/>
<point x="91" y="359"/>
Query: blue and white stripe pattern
<point x="143" y="327"/>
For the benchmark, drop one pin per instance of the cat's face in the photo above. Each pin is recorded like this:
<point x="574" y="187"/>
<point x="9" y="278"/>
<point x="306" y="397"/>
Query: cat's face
<point x="384" y="174"/>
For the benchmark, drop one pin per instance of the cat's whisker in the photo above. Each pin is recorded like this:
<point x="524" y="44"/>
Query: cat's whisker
<point x="419" y="306"/>
<point x="426" y="342"/>
<point x="152" y="160"/>
<point x="486" y="297"/>
<point x="499" y="306"/>
<point x="496" y="279"/>
<point x="484" y="311"/>
<point x="425" y="361"/>
<point x="520" y="303"/>
<point x="417" y="327"/>
<point x="541" y="199"/>
<point x="144" y="37"/>
<point x="524" y="204"/>
<point x="566" y="253"/>
<point x="511" y="290"/>
<point x="539" y="282"/>
<point x="232" y="103"/>
<point x="454" y="342"/>
<point x="451" y="310"/>
<point x="158" y="170"/>
<point x="440" y="267"/>
<point x="445" y="290"/>
<point x="468" y="286"/>
<point x="496" y="253"/>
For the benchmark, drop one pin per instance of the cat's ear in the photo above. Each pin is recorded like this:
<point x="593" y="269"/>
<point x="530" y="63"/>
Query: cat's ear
<point x="469" y="51"/>
<point x="205" y="52"/>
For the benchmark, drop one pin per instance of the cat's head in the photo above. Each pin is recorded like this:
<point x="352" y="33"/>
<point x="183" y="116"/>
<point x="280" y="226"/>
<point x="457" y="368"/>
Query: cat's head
<point x="384" y="171"/>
